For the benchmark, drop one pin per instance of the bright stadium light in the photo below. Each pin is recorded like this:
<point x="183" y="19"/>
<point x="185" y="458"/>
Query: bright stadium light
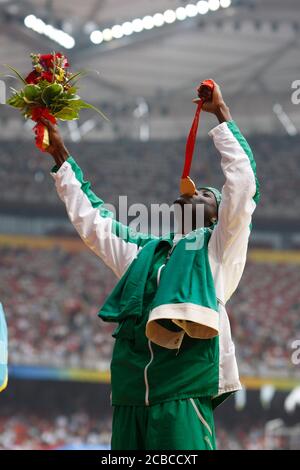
<point x="191" y="10"/>
<point x="127" y="28"/>
<point x="39" y="26"/>
<point x="158" y="19"/>
<point x="57" y="35"/>
<point x="96" y="37"/>
<point x="225" y="3"/>
<point x="107" y="34"/>
<point x="202" y="7"/>
<point x="180" y="13"/>
<point x="170" y="16"/>
<point x="29" y="21"/>
<point x="116" y="31"/>
<point x="137" y="25"/>
<point x="148" y="22"/>
<point x="214" y="5"/>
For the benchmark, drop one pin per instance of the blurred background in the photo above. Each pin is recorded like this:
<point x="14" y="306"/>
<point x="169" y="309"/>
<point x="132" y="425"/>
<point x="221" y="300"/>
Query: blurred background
<point x="146" y="59"/>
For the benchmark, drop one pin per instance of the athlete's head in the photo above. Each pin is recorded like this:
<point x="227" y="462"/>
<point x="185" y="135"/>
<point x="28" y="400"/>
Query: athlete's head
<point x="208" y="197"/>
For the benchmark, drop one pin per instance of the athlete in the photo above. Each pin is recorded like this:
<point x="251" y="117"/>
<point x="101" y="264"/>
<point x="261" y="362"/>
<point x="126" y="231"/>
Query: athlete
<point x="173" y="360"/>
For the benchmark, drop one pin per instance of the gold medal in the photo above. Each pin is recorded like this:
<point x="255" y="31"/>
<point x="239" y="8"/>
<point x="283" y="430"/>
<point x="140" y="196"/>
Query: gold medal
<point x="187" y="186"/>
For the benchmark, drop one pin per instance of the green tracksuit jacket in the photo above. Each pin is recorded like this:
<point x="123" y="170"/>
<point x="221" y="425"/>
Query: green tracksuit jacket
<point x="154" y="358"/>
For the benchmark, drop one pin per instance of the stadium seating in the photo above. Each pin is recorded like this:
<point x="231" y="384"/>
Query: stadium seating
<point x="52" y="296"/>
<point x="138" y="168"/>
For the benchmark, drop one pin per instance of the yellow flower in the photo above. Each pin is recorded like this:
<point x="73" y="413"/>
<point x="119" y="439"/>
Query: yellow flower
<point x="60" y="75"/>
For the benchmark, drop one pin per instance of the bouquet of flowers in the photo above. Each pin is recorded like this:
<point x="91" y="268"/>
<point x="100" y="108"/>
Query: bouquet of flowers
<point x="49" y="91"/>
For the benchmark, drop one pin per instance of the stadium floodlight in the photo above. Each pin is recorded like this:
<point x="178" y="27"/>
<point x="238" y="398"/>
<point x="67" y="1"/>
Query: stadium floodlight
<point x="170" y="16"/>
<point x="137" y="25"/>
<point x="180" y="13"/>
<point x="57" y="35"/>
<point x="49" y="31"/>
<point x="29" y="21"/>
<point x="39" y="26"/>
<point x="158" y="19"/>
<point x="202" y="7"/>
<point x="213" y="5"/>
<point x="191" y="10"/>
<point x="107" y="34"/>
<point x="225" y="3"/>
<point x="96" y="37"/>
<point x="148" y="22"/>
<point x="127" y="28"/>
<point x="116" y="31"/>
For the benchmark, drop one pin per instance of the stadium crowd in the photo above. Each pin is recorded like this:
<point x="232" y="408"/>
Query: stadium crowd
<point x="51" y="298"/>
<point x="137" y="168"/>
<point x="41" y="432"/>
<point x="38" y="432"/>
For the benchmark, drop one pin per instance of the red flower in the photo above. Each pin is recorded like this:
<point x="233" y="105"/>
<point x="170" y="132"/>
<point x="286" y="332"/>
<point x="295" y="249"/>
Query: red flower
<point x="32" y="77"/>
<point x="46" y="60"/>
<point x="47" y="56"/>
<point x="65" y="63"/>
<point x="47" y="76"/>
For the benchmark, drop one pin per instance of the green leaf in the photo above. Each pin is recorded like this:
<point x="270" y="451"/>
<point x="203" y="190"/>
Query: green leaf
<point x="14" y="90"/>
<point x="51" y="93"/>
<point x="86" y="105"/>
<point x="32" y="93"/>
<point x="67" y="114"/>
<point x="43" y="84"/>
<point x="75" y="75"/>
<point x="16" y="101"/>
<point x="72" y="90"/>
<point x="17" y="73"/>
<point x="76" y="103"/>
<point x="80" y="104"/>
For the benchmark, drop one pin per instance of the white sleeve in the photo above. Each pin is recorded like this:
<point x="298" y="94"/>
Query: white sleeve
<point x="116" y="244"/>
<point x="240" y="194"/>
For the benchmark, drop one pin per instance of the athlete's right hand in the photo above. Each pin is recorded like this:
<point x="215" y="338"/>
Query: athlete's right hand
<point x="57" y="147"/>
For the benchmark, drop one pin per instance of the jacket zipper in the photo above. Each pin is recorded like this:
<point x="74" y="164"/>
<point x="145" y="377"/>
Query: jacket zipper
<point x="149" y="342"/>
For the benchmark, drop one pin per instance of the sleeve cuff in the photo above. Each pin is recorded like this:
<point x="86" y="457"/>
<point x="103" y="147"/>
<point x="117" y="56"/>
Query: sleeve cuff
<point x="220" y="128"/>
<point x="55" y="168"/>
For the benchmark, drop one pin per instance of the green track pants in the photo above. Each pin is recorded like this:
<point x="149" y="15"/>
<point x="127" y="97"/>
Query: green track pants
<point x="185" y="424"/>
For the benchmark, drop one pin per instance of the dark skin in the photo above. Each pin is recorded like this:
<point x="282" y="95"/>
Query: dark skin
<point x="203" y="197"/>
<point x="213" y="103"/>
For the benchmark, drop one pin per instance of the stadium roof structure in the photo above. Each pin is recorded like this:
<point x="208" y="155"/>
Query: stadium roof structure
<point x="250" y="48"/>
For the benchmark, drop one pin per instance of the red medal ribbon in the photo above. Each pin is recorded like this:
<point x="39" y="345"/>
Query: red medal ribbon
<point x="39" y="128"/>
<point x="190" y="144"/>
